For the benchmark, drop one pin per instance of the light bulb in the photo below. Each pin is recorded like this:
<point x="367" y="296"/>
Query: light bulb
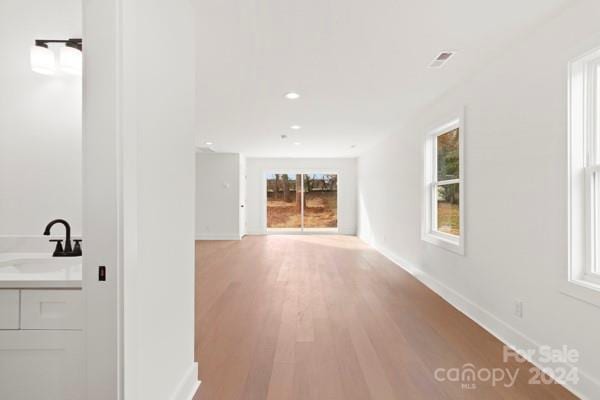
<point x="292" y="96"/>
<point x="42" y="60"/>
<point x="70" y="60"/>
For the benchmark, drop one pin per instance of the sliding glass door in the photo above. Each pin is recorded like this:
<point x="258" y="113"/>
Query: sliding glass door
<point x="284" y="201"/>
<point x="320" y="201"/>
<point x="301" y="202"/>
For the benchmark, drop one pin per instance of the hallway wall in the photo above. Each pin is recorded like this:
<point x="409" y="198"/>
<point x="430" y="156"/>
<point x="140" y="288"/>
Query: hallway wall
<point x="515" y="200"/>
<point x="159" y="191"/>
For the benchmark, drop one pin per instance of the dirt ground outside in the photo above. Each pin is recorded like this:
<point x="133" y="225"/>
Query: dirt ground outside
<point x="320" y="211"/>
<point x="448" y="220"/>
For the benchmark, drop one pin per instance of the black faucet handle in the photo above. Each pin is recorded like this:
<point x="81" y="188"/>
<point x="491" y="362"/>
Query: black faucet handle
<point x="59" y="247"/>
<point x="77" y="247"/>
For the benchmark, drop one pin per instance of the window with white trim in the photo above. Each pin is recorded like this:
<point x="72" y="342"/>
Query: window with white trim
<point x="584" y="171"/>
<point x="444" y="187"/>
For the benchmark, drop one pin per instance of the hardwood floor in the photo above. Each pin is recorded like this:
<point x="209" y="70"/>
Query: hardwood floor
<point x="326" y="317"/>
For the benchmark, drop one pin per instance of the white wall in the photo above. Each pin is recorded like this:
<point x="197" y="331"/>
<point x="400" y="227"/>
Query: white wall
<point x="139" y="194"/>
<point x="139" y="155"/>
<point x="161" y="34"/>
<point x="516" y="194"/>
<point x="218" y="191"/>
<point x="255" y="198"/>
<point x="40" y="122"/>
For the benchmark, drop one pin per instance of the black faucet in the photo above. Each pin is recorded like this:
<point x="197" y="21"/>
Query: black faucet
<point x="67" y="251"/>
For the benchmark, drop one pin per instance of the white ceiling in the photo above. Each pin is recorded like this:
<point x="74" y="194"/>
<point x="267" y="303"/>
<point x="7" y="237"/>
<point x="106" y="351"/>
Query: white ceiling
<point x="360" y="66"/>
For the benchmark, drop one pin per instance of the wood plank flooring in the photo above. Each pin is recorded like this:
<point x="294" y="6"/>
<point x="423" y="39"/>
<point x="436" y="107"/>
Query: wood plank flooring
<point x="325" y="318"/>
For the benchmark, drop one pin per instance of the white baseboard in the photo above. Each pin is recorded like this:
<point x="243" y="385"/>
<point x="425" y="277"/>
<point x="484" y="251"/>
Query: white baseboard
<point x="255" y="233"/>
<point x="189" y="384"/>
<point x="587" y="387"/>
<point x="219" y="237"/>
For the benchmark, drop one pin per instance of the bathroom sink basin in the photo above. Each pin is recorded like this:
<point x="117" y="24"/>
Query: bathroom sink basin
<point x="36" y="270"/>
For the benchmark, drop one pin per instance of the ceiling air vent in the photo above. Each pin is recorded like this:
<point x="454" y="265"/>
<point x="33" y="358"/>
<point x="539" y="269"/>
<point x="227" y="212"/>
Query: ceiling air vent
<point x="441" y="59"/>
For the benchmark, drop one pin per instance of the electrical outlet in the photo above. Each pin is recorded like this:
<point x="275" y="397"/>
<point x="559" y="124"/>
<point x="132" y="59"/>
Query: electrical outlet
<point x="519" y="308"/>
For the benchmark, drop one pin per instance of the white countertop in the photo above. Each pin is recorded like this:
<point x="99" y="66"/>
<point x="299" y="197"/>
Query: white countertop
<point x="39" y="270"/>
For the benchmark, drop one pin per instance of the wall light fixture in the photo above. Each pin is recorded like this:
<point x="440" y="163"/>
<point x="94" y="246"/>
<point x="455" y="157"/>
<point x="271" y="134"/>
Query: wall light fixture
<point x="43" y="60"/>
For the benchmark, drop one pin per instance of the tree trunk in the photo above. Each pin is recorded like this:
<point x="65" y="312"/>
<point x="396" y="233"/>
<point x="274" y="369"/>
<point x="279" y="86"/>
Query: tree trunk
<point x="286" y="188"/>
<point x="298" y="193"/>
<point x="276" y="190"/>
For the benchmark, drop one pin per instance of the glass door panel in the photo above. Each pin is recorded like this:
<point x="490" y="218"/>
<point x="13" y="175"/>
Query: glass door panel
<point x="284" y="199"/>
<point x="320" y="201"/>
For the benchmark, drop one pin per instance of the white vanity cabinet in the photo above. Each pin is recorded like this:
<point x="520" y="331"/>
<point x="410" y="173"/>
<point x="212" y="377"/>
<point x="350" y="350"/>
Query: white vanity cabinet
<point x="41" y="344"/>
<point x="9" y="309"/>
<point x="51" y="309"/>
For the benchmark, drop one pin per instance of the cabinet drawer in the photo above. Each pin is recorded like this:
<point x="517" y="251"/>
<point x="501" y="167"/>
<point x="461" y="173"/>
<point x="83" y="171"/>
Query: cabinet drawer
<point x="9" y="309"/>
<point x="51" y="309"/>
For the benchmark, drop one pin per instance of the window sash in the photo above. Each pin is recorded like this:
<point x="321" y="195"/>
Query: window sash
<point x="435" y="184"/>
<point x="592" y="170"/>
<point x="592" y="113"/>
<point x="434" y="209"/>
<point x="447" y="182"/>
<point x="584" y="179"/>
<point x="429" y="228"/>
<point x="592" y="209"/>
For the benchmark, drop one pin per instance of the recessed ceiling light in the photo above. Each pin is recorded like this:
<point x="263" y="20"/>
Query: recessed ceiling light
<point x="295" y="127"/>
<point x="208" y="143"/>
<point x="292" y="96"/>
<point x="353" y="146"/>
<point x="284" y="136"/>
<point x="297" y="143"/>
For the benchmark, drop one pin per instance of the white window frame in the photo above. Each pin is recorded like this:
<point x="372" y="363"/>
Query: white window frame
<point x="584" y="167"/>
<point x="429" y="232"/>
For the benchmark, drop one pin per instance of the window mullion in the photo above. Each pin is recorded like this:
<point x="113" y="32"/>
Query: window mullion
<point x="448" y="182"/>
<point x="301" y="201"/>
